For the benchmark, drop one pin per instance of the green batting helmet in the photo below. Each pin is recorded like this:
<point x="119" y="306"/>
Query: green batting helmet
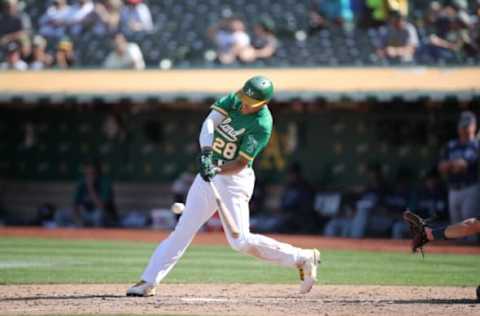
<point x="257" y="91"/>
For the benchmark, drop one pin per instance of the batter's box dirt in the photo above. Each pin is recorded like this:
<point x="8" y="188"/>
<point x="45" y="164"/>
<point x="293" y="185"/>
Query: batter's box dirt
<point x="238" y="299"/>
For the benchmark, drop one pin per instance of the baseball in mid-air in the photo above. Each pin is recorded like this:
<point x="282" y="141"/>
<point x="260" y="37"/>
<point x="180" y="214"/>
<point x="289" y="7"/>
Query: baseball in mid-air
<point x="177" y="208"/>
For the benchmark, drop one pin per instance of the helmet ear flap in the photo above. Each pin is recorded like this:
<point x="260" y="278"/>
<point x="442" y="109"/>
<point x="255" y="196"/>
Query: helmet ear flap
<point x="251" y="102"/>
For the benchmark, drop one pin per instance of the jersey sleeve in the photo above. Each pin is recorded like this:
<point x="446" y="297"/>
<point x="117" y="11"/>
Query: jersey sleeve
<point x="253" y="143"/>
<point x="225" y="104"/>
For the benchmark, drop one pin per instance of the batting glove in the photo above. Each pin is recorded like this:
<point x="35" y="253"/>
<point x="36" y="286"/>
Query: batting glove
<point x="207" y="168"/>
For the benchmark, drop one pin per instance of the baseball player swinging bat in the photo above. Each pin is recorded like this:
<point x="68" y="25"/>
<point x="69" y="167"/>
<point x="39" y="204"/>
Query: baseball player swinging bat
<point x="236" y="130"/>
<point x="225" y="213"/>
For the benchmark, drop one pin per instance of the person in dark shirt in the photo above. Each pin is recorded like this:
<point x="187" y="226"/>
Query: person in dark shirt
<point x="369" y="202"/>
<point x="15" y="25"/>
<point x="459" y="164"/>
<point x="297" y="202"/>
<point x="396" y="201"/>
<point x="431" y="200"/>
<point x="400" y="40"/>
<point x="264" y="42"/>
<point x="94" y="200"/>
<point x="13" y="60"/>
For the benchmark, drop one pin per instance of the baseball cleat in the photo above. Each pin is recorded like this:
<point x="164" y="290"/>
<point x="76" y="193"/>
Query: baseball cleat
<point x="308" y="271"/>
<point x="142" y="289"/>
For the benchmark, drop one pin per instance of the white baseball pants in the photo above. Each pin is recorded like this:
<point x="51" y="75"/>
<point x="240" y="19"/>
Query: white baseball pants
<point x="235" y="191"/>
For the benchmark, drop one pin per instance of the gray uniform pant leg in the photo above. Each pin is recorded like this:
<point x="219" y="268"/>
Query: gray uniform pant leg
<point x="471" y="202"/>
<point x="464" y="204"/>
<point x="455" y="205"/>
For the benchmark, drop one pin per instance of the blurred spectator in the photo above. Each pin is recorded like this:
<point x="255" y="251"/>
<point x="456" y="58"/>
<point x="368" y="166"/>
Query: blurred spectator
<point x="135" y="17"/>
<point x="459" y="163"/>
<point x="400" y="40"/>
<point x="332" y="205"/>
<point x="39" y="59"/>
<point x="297" y="202"/>
<point x="108" y="16"/>
<point x="400" y="6"/>
<point x="395" y="202"/>
<point x="46" y="216"/>
<point x="476" y="27"/>
<point x="60" y="19"/>
<point x="431" y="200"/>
<point x="377" y="12"/>
<point x="369" y="201"/>
<point x="30" y="136"/>
<point x="14" y="60"/>
<point x="125" y="55"/>
<point x="16" y="24"/>
<point x="450" y="35"/>
<point x="52" y="22"/>
<point x="265" y="42"/>
<point x="433" y="13"/>
<point x="326" y="11"/>
<point x="94" y="200"/>
<point x="114" y="128"/>
<point x="80" y="16"/>
<point x="316" y="20"/>
<point x="64" y="56"/>
<point x="232" y="40"/>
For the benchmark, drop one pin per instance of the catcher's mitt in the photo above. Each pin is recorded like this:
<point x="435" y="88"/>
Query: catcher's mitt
<point x="417" y="230"/>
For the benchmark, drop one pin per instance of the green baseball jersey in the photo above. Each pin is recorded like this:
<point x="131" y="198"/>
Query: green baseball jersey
<point x="240" y="134"/>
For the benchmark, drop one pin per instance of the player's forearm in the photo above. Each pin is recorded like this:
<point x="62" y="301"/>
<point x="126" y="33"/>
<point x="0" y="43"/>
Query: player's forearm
<point x="458" y="166"/>
<point x="466" y="228"/>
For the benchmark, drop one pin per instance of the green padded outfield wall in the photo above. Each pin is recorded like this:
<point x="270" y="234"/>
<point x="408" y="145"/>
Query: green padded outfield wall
<point x="335" y="147"/>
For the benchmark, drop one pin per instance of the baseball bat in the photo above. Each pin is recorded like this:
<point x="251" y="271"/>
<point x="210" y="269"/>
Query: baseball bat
<point x="225" y="213"/>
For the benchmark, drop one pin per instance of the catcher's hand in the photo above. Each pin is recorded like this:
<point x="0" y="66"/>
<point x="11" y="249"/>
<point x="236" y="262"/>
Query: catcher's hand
<point x="417" y="230"/>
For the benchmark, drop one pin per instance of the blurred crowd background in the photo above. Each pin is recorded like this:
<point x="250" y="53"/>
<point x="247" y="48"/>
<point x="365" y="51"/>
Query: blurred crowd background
<point x="135" y="34"/>
<point x="341" y="168"/>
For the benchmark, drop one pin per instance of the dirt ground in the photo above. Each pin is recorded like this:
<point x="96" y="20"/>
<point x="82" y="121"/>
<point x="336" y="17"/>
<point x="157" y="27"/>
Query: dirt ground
<point x="236" y="299"/>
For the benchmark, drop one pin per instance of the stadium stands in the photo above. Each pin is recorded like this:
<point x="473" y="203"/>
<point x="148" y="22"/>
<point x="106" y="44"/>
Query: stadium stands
<point x="180" y="35"/>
